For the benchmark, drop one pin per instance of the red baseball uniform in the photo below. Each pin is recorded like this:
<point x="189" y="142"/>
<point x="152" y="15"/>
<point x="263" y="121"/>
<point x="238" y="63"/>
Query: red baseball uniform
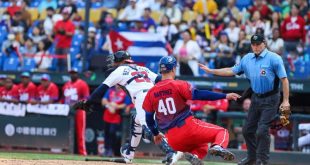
<point x="50" y="93"/>
<point x="117" y="97"/>
<point x="74" y="91"/>
<point x="9" y="93"/>
<point x="184" y="132"/>
<point x="27" y="93"/>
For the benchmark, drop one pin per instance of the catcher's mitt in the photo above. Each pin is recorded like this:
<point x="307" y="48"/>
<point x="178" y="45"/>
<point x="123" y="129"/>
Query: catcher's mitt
<point x="84" y="105"/>
<point x="285" y="112"/>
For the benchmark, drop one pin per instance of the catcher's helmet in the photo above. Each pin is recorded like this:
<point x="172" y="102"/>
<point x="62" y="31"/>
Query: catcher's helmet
<point x="167" y="63"/>
<point x="122" y="55"/>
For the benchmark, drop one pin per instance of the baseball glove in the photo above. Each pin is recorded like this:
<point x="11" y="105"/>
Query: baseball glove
<point x="285" y="112"/>
<point x="84" y="105"/>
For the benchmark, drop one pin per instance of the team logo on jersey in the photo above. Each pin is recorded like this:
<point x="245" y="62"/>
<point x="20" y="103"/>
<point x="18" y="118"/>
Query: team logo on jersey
<point x="263" y="72"/>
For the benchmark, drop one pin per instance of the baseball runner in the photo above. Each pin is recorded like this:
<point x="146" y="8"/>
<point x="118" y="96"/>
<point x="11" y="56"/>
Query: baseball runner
<point x="136" y="80"/>
<point x="167" y="101"/>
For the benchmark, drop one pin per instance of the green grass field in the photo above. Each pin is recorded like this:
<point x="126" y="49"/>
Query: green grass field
<point x="41" y="156"/>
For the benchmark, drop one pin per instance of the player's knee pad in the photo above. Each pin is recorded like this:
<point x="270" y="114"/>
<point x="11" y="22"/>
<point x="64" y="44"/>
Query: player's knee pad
<point x="136" y="128"/>
<point x="164" y="146"/>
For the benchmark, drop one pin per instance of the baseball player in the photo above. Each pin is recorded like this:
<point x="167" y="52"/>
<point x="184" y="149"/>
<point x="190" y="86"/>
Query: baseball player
<point x="26" y="89"/>
<point x="47" y="91"/>
<point x="167" y="100"/>
<point x="74" y="90"/>
<point x="136" y="80"/>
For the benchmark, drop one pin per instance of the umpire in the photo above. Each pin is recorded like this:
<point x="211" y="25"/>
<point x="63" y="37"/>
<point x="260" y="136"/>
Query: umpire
<point x="264" y="69"/>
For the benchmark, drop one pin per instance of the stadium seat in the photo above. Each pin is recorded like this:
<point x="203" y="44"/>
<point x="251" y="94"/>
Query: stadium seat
<point x="35" y="3"/>
<point x="5" y="4"/>
<point x="95" y="15"/>
<point x="11" y="64"/>
<point x="34" y="13"/>
<point x="243" y="4"/>
<point x="189" y="15"/>
<point x="79" y="65"/>
<point x="43" y="15"/>
<point x="96" y="5"/>
<point x="73" y="53"/>
<point x="156" y="15"/>
<point x="81" y="4"/>
<point x="29" y="64"/>
<point x="81" y="13"/>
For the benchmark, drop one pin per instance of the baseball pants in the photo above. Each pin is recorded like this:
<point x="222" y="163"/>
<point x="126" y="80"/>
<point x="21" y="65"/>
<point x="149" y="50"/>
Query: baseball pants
<point x="195" y="135"/>
<point x="80" y="125"/>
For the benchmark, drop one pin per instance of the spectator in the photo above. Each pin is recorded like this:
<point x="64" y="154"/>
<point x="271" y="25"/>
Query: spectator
<point x="303" y="8"/>
<point x="262" y="8"/>
<point x="131" y="12"/>
<point x="13" y="8"/>
<point x="274" y="23"/>
<point x="229" y="12"/>
<point x="17" y="23"/>
<point x="9" y="92"/>
<point x="293" y="29"/>
<point x="37" y="35"/>
<point x="114" y="101"/>
<point x="188" y="53"/>
<point x="70" y="7"/>
<point x="157" y="5"/>
<point x="167" y="29"/>
<point x="205" y="7"/>
<point x="142" y="4"/>
<point x="148" y="21"/>
<point x="26" y="89"/>
<point x="188" y="5"/>
<point x="75" y="90"/>
<point x="29" y="49"/>
<point x="243" y="46"/>
<point x="42" y="58"/>
<point x="224" y="49"/>
<point x="233" y="31"/>
<point x="64" y="31"/>
<point x="255" y="23"/>
<point x="45" y="4"/>
<point x="111" y="4"/>
<point x="47" y="91"/>
<point x="25" y="15"/>
<point x="276" y="44"/>
<point x="107" y="23"/>
<point x="10" y="46"/>
<point x="211" y="108"/>
<point x="172" y="11"/>
<point x="48" y="23"/>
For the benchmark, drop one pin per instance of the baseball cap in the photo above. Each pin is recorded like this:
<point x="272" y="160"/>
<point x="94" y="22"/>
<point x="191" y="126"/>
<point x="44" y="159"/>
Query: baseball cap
<point x="74" y="70"/>
<point x="217" y="86"/>
<point x="257" y="39"/>
<point x="92" y="29"/>
<point x="46" y="77"/>
<point x="66" y="10"/>
<point x="25" y="74"/>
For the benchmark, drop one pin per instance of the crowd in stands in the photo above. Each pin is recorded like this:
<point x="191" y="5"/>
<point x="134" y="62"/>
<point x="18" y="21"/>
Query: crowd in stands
<point x="38" y="35"/>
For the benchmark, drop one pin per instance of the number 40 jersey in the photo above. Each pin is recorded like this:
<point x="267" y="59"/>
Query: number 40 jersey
<point x="133" y="78"/>
<point x="168" y="100"/>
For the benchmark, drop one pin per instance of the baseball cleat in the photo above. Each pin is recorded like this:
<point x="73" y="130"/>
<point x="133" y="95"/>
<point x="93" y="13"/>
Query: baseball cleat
<point x="193" y="159"/>
<point x="173" y="157"/>
<point x="220" y="151"/>
<point x="126" y="154"/>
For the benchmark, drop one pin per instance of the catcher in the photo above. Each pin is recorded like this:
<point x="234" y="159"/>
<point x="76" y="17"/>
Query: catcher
<point x="264" y="69"/>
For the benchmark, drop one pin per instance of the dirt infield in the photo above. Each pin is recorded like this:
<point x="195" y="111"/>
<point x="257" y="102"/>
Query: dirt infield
<point x="54" y="162"/>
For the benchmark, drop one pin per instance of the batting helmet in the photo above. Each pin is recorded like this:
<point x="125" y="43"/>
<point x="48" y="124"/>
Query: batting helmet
<point x="122" y="55"/>
<point x="167" y="63"/>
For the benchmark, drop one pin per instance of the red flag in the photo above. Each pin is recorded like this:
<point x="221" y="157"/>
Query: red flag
<point x="119" y="42"/>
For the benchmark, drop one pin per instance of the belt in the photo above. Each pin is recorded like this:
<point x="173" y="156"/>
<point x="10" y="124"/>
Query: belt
<point x="270" y="93"/>
<point x="179" y="125"/>
<point x="144" y="90"/>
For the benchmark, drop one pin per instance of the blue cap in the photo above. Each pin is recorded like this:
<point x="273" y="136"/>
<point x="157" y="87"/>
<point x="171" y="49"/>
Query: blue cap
<point x="46" y="77"/>
<point x="217" y="86"/>
<point x="167" y="63"/>
<point x="25" y="74"/>
<point x="73" y="70"/>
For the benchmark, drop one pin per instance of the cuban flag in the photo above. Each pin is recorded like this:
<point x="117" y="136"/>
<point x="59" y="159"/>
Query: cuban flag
<point x="140" y="45"/>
